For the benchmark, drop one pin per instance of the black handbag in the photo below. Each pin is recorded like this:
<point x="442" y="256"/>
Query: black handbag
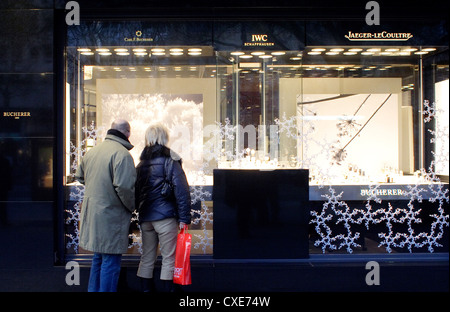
<point x="167" y="186"/>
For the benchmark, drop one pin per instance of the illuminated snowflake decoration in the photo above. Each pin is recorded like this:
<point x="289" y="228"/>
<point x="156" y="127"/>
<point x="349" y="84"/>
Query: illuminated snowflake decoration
<point x="136" y="239"/>
<point x="429" y="111"/>
<point x="335" y="211"/>
<point x="288" y="126"/>
<point x="345" y="215"/>
<point x="204" y="217"/>
<point x="77" y="193"/>
<point x="369" y="216"/>
<point x="73" y="217"/>
<point x="389" y="217"/>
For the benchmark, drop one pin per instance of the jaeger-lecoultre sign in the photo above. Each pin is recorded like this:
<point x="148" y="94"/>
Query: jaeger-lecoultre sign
<point x="378" y="36"/>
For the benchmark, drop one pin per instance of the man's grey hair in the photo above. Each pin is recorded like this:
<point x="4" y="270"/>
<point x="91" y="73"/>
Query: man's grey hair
<point x="156" y="134"/>
<point x="121" y="125"/>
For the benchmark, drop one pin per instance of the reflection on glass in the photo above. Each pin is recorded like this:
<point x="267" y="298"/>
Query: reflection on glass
<point x="442" y="116"/>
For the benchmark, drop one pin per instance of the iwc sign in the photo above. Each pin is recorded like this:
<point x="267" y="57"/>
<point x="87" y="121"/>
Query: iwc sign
<point x="259" y="40"/>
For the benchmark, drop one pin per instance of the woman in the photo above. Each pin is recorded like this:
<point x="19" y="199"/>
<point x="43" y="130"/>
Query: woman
<point x="158" y="214"/>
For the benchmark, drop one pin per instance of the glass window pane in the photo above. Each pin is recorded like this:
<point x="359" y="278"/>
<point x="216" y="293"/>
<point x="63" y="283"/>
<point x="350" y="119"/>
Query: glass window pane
<point x="350" y="115"/>
<point x="175" y="86"/>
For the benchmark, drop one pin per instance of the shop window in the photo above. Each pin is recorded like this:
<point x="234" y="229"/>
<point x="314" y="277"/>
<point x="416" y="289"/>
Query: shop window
<point x="171" y="85"/>
<point x="345" y="113"/>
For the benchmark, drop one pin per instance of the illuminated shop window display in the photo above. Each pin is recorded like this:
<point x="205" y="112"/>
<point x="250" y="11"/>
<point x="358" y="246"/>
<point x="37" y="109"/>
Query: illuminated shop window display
<point x="347" y="114"/>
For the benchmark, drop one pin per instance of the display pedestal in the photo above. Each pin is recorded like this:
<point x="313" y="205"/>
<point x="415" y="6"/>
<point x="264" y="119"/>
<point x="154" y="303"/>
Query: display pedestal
<point x="261" y="214"/>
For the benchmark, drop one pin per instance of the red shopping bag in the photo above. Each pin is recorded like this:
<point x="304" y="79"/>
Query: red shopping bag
<point x="182" y="272"/>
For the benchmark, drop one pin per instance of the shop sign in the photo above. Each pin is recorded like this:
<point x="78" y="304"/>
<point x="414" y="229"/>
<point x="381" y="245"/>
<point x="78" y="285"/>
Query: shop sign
<point x="252" y="35"/>
<point x="259" y="40"/>
<point x="138" y="38"/>
<point x="382" y="192"/>
<point x="385" y="191"/>
<point x="378" y="36"/>
<point x="16" y="115"/>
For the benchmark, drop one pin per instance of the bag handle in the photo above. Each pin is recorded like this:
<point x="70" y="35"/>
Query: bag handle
<point x="184" y="229"/>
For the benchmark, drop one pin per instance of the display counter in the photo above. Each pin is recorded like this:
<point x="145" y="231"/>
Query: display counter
<point x="248" y="209"/>
<point x="261" y="214"/>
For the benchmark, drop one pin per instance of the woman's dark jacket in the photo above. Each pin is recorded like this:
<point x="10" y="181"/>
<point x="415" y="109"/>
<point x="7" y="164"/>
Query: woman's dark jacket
<point x="150" y="204"/>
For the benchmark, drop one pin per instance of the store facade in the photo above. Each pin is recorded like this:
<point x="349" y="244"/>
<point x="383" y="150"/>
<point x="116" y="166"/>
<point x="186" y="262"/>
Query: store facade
<point x="340" y="100"/>
<point x="363" y="110"/>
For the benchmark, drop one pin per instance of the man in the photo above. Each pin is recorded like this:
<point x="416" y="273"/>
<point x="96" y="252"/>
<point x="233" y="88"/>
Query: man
<point x="109" y="175"/>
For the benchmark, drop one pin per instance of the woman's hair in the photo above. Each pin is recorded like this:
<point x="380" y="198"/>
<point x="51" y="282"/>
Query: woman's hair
<point x="156" y="134"/>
